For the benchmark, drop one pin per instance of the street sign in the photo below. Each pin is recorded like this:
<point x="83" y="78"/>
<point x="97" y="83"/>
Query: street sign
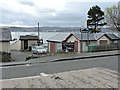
<point x="85" y="31"/>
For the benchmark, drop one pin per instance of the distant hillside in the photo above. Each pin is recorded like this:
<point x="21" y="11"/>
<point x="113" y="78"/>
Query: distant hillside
<point x="45" y="29"/>
<point x="52" y="29"/>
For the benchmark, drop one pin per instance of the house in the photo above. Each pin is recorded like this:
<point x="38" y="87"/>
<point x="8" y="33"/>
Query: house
<point x="72" y="42"/>
<point x="108" y="39"/>
<point x="25" y="42"/>
<point x="5" y="39"/>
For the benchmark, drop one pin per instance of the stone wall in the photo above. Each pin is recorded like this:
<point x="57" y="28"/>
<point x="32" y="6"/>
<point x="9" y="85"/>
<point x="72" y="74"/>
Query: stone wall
<point x="5" y="57"/>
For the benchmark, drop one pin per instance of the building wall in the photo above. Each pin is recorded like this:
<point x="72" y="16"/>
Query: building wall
<point x="16" y="45"/>
<point x="73" y="39"/>
<point x="58" y="47"/>
<point x="22" y="44"/>
<point x="103" y="38"/>
<point x="93" y="42"/>
<point x="5" y="46"/>
<point x="52" y="47"/>
<point x="85" y="47"/>
<point x="31" y="41"/>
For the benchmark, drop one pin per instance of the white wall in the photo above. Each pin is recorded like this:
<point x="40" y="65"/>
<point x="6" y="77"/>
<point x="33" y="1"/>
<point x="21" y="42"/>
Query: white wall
<point x="5" y="46"/>
<point x="85" y="47"/>
<point x="73" y="39"/>
<point x="103" y="38"/>
<point x="16" y="45"/>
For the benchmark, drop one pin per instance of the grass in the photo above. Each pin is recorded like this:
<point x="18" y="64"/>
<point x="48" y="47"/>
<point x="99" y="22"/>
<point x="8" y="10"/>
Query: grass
<point x="54" y="54"/>
<point x="32" y="57"/>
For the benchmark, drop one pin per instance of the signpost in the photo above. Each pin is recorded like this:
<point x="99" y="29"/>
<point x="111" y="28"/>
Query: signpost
<point x="119" y="14"/>
<point x="84" y="31"/>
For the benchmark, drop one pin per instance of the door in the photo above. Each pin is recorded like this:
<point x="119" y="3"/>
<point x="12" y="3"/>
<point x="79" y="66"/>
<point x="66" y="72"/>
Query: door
<point x="25" y="44"/>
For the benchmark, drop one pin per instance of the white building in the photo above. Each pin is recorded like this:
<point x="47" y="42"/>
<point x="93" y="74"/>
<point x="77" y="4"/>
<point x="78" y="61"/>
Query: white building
<point x="5" y="39"/>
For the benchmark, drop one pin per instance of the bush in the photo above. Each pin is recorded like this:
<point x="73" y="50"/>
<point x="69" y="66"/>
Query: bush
<point x="5" y="57"/>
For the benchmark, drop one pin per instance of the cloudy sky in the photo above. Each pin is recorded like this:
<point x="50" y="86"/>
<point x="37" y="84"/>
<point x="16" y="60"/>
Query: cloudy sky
<point x="48" y="12"/>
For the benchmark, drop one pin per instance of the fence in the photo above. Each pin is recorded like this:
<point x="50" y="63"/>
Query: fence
<point x="98" y="48"/>
<point x="75" y="47"/>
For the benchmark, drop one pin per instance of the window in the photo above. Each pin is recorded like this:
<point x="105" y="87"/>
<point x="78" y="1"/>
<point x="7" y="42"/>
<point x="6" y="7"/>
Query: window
<point x="33" y="43"/>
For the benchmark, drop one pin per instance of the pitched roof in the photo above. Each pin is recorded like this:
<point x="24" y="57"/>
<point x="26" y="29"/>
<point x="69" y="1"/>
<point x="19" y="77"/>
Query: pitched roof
<point x="5" y="34"/>
<point x="59" y="37"/>
<point x="85" y="36"/>
<point x="113" y="36"/>
<point x="92" y="37"/>
<point x="29" y="37"/>
<point x="110" y="36"/>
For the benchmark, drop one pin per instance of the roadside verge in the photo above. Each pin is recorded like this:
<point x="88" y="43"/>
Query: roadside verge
<point x="63" y="58"/>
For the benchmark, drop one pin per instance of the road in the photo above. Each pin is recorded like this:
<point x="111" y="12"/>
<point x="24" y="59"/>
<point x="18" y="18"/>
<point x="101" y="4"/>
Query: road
<point x="110" y="62"/>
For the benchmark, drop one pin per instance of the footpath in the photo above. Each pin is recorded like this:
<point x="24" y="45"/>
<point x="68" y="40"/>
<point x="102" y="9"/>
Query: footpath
<point x="67" y="57"/>
<point x="87" y="78"/>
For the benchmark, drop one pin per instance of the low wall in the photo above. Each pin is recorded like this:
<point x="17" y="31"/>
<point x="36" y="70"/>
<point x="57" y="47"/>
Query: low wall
<point x="5" y="57"/>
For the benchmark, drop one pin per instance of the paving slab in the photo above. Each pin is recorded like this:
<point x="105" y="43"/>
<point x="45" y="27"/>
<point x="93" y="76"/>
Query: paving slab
<point x="87" y="78"/>
<point x="74" y="56"/>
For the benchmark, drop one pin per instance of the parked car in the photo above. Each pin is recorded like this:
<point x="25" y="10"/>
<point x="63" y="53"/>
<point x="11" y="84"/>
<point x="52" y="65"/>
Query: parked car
<point x="39" y="49"/>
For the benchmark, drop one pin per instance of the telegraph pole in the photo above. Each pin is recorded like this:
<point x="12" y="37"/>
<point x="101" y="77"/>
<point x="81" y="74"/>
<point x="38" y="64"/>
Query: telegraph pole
<point x="38" y="30"/>
<point x="81" y="40"/>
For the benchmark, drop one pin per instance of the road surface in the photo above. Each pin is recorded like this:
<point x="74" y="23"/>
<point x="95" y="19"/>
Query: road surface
<point x="110" y="62"/>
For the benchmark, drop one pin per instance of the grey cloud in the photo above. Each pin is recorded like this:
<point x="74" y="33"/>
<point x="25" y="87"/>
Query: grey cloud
<point x="71" y="15"/>
<point x="28" y="3"/>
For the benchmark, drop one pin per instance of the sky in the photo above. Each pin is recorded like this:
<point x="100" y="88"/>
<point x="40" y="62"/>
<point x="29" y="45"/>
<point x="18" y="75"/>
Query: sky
<point x="27" y="13"/>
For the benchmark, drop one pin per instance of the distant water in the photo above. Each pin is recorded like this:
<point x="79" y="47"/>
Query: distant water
<point x="45" y="35"/>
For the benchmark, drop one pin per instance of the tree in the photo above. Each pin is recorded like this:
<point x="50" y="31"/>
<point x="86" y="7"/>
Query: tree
<point x="112" y="17"/>
<point x="95" y="19"/>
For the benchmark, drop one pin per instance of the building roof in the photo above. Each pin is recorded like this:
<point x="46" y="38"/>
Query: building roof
<point x="29" y="37"/>
<point x="113" y="36"/>
<point x="5" y="34"/>
<point x="92" y="37"/>
<point x="85" y="36"/>
<point x="59" y="37"/>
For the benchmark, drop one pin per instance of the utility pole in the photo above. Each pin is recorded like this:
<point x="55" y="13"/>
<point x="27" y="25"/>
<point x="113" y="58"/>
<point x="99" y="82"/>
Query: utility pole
<point x="38" y="36"/>
<point x="38" y="30"/>
<point x="81" y="40"/>
<point x="87" y="35"/>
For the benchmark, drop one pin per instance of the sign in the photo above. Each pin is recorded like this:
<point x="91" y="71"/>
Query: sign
<point x="40" y="41"/>
<point x="85" y="31"/>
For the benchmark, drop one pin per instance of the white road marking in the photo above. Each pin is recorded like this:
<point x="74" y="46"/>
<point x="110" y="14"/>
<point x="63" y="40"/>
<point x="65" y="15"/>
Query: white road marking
<point x="44" y="74"/>
<point x="27" y="65"/>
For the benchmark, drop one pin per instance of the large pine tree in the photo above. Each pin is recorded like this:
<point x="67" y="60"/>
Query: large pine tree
<point x="95" y="19"/>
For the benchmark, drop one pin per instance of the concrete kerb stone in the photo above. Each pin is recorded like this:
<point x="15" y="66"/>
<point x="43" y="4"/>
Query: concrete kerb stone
<point x="62" y="59"/>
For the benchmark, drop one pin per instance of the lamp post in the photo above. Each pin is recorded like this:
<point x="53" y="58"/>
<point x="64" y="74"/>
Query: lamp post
<point x="81" y="40"/>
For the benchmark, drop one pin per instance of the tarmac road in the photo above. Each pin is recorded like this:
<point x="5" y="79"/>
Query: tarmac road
<point x="110" y="62"/>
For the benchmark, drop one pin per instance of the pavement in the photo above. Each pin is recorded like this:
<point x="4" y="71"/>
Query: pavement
<point x="87" y="78"/>
<point x="28" y="70"/>
<point x="57" y="58"/>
